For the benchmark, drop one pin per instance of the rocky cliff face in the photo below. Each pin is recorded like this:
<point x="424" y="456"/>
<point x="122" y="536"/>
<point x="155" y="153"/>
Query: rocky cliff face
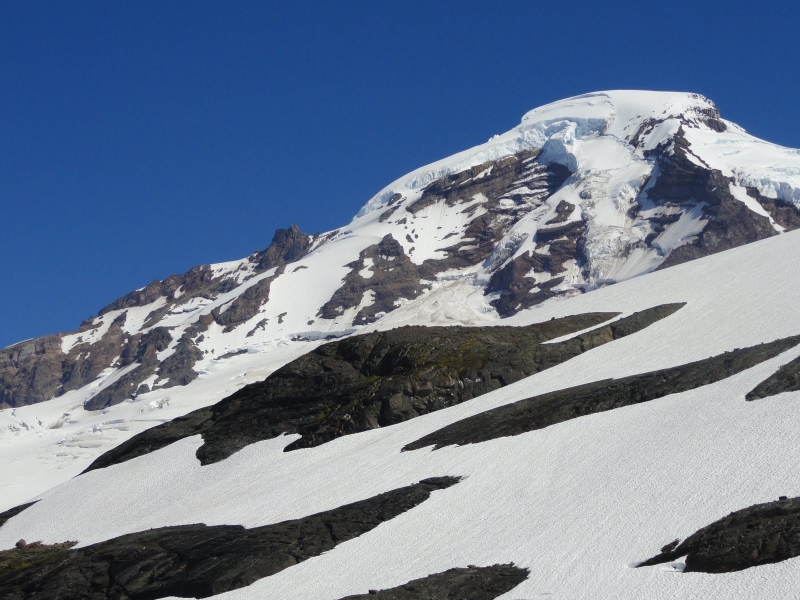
<point x="583" y="193"/>
<point x="127" y="341"/>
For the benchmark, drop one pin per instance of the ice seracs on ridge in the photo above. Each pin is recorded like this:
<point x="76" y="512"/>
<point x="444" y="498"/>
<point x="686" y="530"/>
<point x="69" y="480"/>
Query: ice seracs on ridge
<point x="615" y="113"/>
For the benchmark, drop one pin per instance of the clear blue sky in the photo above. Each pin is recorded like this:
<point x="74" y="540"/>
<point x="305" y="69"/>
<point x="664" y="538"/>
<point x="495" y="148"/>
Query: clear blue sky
<point x="140" y="139"/>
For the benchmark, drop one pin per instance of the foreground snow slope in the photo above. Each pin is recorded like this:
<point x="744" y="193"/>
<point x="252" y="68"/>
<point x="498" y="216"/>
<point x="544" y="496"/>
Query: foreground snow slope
<point x="576" y="503"/>
<point x="47" y="443"/>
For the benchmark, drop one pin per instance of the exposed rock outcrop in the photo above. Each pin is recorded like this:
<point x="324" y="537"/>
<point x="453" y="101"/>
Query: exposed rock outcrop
<point x="679" y="179"/>
<point x="495" y="195"/>
<point x="757" y="535"/>
<point x="391" y="276"/>
<point x="245" y="306"/>
<point x="785" y="214"/>
<point x="40" y="369"/>
<point x="379" y="379"/>
<point x="13" y="512"/>
<point x="556" y="407"/>
<point x="471" y="583"/>
<point x="785" y="379"/>
<point x="195" y="561"/>
<point x="288" y="245"/>
<point x="532" y="277"/>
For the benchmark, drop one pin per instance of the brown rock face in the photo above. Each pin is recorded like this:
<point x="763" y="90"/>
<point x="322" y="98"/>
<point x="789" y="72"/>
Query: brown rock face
<point x="288" y="245"/>
<point x="679" y="181"/>
<point x="37" y="370"/>
<point x="512" y="187"/>
<point x="783" y="213"/>
<point x="393" y="276"/>
<point x="516" y="281"/>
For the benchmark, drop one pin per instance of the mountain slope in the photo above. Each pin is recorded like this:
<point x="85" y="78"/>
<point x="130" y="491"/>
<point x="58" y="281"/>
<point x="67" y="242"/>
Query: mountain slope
<point x="579" y="426"/>
<point x="576" y="503"/>
<point x="584" y="192"/>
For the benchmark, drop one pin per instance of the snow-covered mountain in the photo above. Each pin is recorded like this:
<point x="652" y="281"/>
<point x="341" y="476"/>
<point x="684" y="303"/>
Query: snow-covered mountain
<point x="584" y="192"/>
<point x="572" y="448"/>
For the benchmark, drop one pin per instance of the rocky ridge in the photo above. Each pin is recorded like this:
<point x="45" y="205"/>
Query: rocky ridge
<point x="556" y="407"/>
<point x="194" y="561"/>
<point x="380" y="379"/>
<point x="757" y="535"/>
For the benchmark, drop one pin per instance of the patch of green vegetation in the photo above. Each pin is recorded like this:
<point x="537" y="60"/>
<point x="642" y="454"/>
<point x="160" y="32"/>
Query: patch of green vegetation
<point x="18" y="559"/>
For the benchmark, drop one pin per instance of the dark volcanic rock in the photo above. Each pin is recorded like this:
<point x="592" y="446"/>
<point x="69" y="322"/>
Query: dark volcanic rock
<point x="141" y="349"/>
<point x="757" y="535"/>
<point x="37" y="370"/>
<point x="176" y="369"/>
<point x="785" y="379"/>
<point x="379" y="379"/>
<point x="194" y="280"/>
<point x="288" y="245"/>
<point x="563" y="212"/>
<point x="556" y="407"/>
<point x="512" y="187"/>
<point x="156" y="438"/>
<point x="521" y="174"/>
<point x="393" y="276"/>
<point x="30" y="371"/>
<point x="394" y="203"/>
<point x="517" y="290"/>
<point x="13" y="512"/>
<point x="680" y="181"/>
<point x="785" y="214"/>
<point x="472" y="583"/>
<point x="195" y="560"/>
<point x="246" y="306"/>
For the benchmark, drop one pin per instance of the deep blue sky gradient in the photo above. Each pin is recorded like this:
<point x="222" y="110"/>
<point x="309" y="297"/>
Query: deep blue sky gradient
<point x="140" y="139"/>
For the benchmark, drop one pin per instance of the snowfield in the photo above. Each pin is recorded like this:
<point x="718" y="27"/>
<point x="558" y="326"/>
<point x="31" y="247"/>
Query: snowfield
<point x="577" y="503"/>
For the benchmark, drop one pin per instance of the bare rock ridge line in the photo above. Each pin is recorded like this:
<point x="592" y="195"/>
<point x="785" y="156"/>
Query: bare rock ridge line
<point x="510" y="188"/>
<point x="37" y="370"/>
<point x="758" y="535"/>
<point x="288" y="245"/>
<point x="196" y="560"/>
<point x="785" y="379"/>
<point x="379" y="379"/>
<point x="609" y="394"/>
<point x="177" y="368"/>
<point x="471" y="583"/>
